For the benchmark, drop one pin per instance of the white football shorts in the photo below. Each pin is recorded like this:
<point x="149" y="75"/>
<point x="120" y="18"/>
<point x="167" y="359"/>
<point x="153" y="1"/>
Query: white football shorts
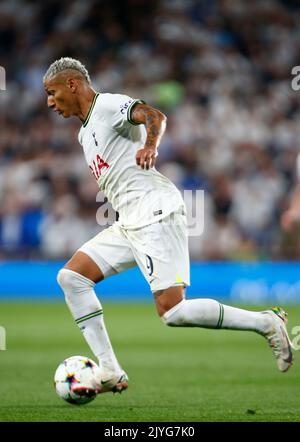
<point x="160" y="250"/>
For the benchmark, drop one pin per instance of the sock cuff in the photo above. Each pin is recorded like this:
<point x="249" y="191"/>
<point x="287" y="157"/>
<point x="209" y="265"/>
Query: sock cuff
<point x="165" y="317"/>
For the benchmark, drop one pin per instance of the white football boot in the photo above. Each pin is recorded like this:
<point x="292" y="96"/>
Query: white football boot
<point x="112" y="382"/>
<point x="278" y="338"/>
<point x="115" y="383"/>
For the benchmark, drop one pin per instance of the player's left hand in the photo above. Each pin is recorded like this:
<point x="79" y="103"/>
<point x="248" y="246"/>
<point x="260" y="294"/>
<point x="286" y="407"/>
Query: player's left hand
<point x="146" y="157"/>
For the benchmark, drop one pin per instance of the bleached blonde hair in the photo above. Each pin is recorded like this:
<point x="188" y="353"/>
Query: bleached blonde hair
<point x="66" y="63"/>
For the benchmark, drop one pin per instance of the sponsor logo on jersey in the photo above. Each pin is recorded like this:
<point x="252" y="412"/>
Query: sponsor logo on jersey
<point x="97" y="166"/>
<point x="125" y="106"/>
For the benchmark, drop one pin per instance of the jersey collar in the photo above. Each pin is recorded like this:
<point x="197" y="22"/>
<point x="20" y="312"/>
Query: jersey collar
<point x="90" y="110"/>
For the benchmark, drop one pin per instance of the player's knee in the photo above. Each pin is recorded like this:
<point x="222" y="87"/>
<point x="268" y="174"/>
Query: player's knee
<point x="72" y="282"/>
<point x="65" y="279"/>
<point x="175" y="317"/>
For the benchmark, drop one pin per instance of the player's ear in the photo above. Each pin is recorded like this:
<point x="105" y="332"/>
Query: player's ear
<point x="71" y="83"/>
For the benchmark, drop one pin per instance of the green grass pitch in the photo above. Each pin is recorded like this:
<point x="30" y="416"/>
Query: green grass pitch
<point x="176" y="375"/>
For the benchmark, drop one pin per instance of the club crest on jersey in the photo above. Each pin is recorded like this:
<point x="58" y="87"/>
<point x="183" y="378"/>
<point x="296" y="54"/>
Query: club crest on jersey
<point x="97" y="166"/>
<point x="125" y="106"/>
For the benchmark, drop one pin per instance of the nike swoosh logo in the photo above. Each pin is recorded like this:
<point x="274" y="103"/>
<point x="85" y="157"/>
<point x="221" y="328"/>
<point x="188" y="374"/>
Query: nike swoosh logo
<point x="104" y="382"/>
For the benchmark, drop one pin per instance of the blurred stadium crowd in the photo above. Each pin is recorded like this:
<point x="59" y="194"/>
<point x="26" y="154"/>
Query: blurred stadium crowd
<point x="220" y="70"/>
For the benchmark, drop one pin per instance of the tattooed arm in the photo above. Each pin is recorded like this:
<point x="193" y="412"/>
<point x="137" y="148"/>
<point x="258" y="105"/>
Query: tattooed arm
<point x="155" y="122"/>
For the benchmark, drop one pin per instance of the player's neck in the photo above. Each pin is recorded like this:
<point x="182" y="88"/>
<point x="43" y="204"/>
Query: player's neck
<point x="85" y="101"/>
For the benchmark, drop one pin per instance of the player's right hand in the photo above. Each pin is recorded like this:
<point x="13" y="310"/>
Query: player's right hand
<point x="146" y="157"/>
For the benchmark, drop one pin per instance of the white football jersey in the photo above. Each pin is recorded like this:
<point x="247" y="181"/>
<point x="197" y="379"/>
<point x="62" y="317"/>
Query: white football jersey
<point x="110" y="140"/>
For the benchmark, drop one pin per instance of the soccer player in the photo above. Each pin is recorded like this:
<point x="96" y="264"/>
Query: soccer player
<point x="120" y="137"/>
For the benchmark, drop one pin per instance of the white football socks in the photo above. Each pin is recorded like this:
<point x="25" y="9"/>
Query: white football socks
<point x="209" y="313"/>
<point x="87" y="312"/>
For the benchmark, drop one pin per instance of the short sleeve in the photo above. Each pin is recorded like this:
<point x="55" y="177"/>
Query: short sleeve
<point x="117" y="108"/>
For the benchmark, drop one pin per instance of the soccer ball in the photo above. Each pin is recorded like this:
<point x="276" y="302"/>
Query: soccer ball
<point x="77" y="371"/>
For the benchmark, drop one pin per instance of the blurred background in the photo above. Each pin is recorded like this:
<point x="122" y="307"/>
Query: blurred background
<point x="220" y="70"/>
